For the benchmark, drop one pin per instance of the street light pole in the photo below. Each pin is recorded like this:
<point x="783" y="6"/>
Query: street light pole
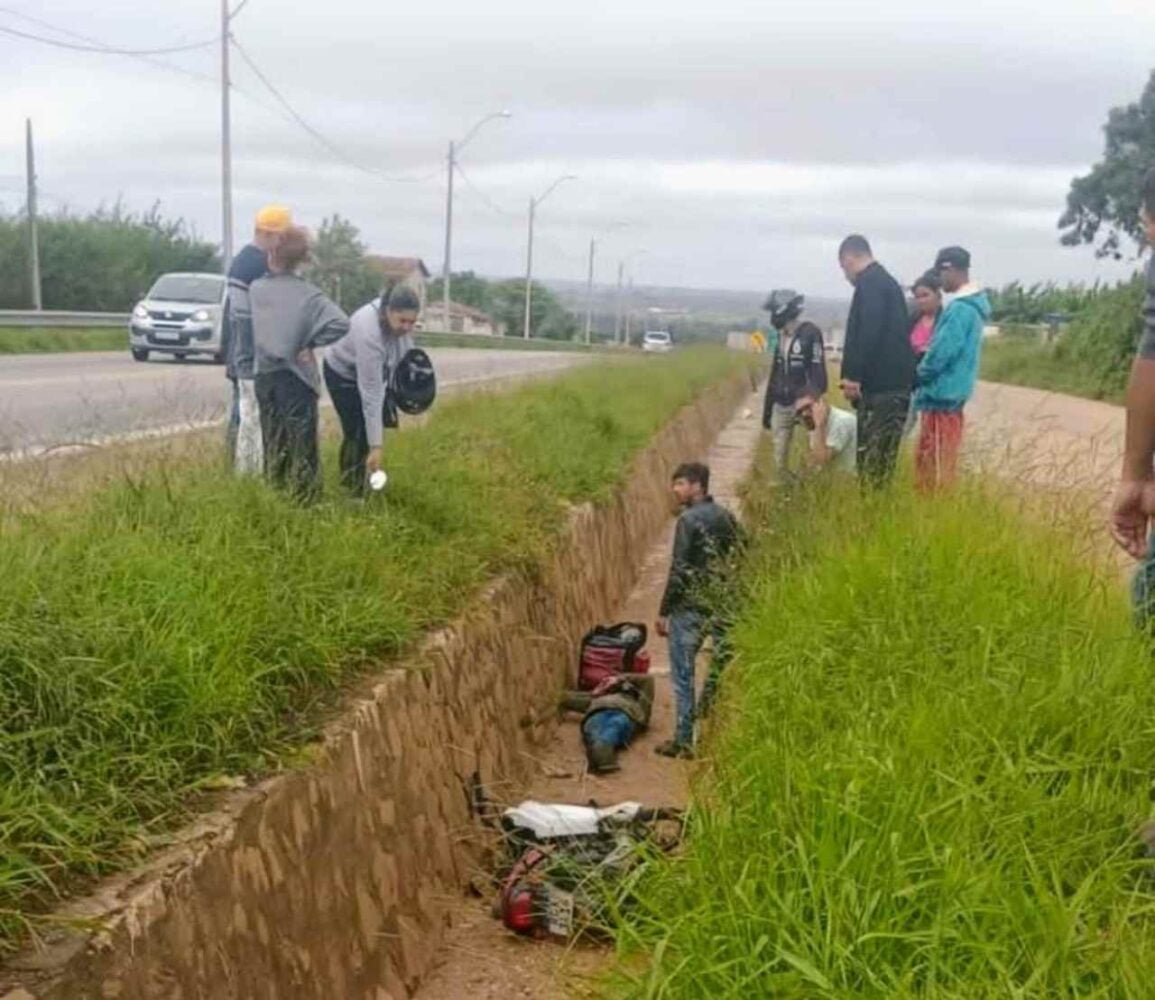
<point x="618" y="317"/>
<point x="590" y="291"/>
<point x="447" y="266"/>
<point x="533" y="203"/>
<point x="454" y="149"/>
<point x="529" y="271"/>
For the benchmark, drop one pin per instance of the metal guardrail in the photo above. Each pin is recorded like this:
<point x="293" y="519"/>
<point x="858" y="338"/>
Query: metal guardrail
<point x="51" y="318"/>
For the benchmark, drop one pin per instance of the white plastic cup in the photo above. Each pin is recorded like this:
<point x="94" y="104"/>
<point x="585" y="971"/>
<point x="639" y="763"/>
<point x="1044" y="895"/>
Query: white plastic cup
<point x="378" y="480"/>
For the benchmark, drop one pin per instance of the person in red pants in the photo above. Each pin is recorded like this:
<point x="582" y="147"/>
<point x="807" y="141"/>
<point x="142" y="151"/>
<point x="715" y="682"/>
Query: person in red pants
<point x="948" y="371"/>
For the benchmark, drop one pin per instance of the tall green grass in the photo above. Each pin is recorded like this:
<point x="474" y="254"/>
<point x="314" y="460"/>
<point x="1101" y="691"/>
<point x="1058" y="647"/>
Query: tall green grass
<point x="934" y="751"/>
<point x="181" y="626"/>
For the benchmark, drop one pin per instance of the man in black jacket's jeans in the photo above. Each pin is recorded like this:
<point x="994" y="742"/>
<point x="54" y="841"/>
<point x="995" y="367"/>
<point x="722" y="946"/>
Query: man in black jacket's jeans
<point x="878" y="363"/>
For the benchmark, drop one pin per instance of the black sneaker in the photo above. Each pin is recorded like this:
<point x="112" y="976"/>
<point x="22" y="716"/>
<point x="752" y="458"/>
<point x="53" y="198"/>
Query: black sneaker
<point x="671" y="748"/>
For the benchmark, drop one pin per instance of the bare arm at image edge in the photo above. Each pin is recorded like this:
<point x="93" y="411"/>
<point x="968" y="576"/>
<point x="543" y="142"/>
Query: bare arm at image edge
<point x="1135" y="500"/>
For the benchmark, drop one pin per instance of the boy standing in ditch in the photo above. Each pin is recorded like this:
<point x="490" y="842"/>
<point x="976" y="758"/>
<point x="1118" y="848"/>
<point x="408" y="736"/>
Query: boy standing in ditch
<point x="705" y="537"/>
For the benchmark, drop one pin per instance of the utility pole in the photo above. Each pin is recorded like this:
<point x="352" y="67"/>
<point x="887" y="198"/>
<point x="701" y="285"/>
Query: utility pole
<point x="226" y="143"/>
<point x="590" y="291"/>
<point x="533" y="203"/>
<point x="529" y="268"/>
<point x="618" y="317"/>
<point x="33" y="236"/>
<point x="446" y="269"/>
<point x="629" y="307"/>
<point x="451" y="161"/>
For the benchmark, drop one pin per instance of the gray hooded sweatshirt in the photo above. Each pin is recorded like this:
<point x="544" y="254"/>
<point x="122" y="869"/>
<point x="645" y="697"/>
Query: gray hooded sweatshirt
<point x="290" y="316"/>
<point x="368" y="357"/>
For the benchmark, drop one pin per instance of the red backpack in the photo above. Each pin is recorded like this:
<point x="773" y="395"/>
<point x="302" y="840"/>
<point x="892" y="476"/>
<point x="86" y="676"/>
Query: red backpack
<point x="608" y="650"/>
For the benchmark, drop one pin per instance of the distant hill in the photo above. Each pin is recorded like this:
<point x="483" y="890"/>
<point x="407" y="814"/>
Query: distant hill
<point x="712" y="310"/>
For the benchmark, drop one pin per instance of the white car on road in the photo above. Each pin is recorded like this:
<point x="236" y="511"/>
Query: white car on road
<point x="657" y="340"/>
<point x="181" y="315"/>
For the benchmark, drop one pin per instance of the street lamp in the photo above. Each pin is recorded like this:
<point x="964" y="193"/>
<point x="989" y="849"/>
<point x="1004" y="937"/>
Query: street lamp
<point x="454" y="149"/>
<point x="533" y="203"/>
<point x="621" y="274"/>
<point x="590" y="277"/>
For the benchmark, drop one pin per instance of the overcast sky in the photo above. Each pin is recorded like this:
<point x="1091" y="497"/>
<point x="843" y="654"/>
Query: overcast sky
<point x="731" y="142"/>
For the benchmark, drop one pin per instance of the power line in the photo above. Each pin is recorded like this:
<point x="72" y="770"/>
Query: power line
<point x="169" y="67"/>
<point x="319" y="136"/>
<point x="483" y="196"/>
<point x="105" y="49"/>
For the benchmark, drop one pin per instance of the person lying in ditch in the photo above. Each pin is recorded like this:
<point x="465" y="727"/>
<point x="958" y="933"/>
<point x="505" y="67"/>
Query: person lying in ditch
<point x="706" y="536"/>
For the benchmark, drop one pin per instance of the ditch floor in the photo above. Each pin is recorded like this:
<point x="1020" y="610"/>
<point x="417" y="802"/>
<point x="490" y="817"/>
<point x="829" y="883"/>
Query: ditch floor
<point x="483" y="960"/>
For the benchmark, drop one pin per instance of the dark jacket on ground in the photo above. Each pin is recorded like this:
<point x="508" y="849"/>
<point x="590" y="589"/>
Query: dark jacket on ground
<point x="1147" y="342"/>
<point x="877" y="353"/>
<point x="799" y="368"/>
<point x="237" y="323"/>
<point x="705" y="536"/>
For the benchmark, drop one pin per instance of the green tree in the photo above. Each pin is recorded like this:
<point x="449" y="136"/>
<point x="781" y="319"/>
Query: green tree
<point x="1103" y="206"/>
<point x="339" y="266"/>
<point x="551" y="320"/>
<point x="466" y="288"/>
<point x="100" y="262"/>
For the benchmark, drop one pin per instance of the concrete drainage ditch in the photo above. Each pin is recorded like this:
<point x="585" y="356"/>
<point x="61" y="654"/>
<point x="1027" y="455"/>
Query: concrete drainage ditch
<point x="329" y="882"/>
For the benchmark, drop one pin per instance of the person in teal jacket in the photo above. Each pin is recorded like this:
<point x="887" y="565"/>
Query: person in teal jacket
<point x="948" y="371"/>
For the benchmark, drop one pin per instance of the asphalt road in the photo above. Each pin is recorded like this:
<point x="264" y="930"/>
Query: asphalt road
<point x="47" y="400"/>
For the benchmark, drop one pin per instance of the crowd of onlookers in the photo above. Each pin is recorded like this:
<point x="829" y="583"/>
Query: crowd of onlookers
<point x="905" y="363"/>
<point x="274" y="323"/>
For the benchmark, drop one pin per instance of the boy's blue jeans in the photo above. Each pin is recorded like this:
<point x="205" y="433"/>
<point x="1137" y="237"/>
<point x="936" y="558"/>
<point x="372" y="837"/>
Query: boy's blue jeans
<point x="688" y="630"/>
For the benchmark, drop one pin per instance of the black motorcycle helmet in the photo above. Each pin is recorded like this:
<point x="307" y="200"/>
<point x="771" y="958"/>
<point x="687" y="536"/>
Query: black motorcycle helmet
<point x="414" y="384"/>
<point x="784" y="305"/>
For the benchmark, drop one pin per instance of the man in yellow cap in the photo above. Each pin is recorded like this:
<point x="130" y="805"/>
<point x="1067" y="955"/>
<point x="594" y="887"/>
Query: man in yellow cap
<point x="237" y="340"/>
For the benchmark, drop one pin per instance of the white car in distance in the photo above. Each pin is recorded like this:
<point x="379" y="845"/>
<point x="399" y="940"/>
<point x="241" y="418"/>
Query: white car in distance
<point x="180" y="315"/>
<point x="657" y="341"/>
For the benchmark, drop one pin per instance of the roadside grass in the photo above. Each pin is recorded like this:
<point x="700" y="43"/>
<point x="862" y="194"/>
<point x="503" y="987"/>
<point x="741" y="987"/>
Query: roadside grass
<point x="61" y="340"/>
<point x="180" y="626"/>
<point x="932" y="756"/>
<point x="27" y="340"/>
<point x="1028" y="362"/>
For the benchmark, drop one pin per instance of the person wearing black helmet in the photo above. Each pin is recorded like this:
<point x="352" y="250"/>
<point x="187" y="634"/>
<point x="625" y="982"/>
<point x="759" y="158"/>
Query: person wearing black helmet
<point x="358" y="373"/>
<point x="799" y="369"/>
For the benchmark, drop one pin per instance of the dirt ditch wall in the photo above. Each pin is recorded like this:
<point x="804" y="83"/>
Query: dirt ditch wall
<point x="328" y="882"/>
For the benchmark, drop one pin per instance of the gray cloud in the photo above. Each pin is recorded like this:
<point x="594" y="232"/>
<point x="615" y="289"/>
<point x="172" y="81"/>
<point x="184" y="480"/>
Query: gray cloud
<point x="740" y="141"/>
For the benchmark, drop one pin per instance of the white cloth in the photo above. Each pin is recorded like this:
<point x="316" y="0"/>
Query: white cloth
<point x="842" y="439"/>
<point x="250" y="458"/>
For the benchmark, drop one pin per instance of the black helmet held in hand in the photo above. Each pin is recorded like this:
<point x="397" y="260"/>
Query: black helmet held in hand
<point x="414" y="385"/>
<point x="784" y="305"/>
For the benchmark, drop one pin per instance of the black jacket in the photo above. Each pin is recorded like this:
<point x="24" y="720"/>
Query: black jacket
<point x="706" y="534"/>
<point x="799" y="368"/>
<point x="877" y="353"/>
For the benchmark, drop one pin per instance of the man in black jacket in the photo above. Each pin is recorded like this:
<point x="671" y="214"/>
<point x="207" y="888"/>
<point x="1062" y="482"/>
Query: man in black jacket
<point x="705" y="537"/>
<point x="878" y="363"/>
<point x="799" y="370"/>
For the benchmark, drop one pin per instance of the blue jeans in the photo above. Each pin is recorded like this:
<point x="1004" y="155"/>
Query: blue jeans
<point x="688" y="631"/>
<point x="1143" y="590"/>
<point x="610" y="726"/>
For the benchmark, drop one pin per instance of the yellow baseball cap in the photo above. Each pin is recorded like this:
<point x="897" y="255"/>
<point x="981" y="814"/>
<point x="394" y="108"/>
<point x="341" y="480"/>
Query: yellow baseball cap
<point x="274" y="219"/>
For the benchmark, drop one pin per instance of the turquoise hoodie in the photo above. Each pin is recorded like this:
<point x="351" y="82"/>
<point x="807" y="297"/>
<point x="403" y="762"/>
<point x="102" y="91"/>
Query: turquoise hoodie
<point x="948" y="371"/>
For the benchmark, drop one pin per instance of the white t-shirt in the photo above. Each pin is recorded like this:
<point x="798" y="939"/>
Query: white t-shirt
<point x="842" y="439"/>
